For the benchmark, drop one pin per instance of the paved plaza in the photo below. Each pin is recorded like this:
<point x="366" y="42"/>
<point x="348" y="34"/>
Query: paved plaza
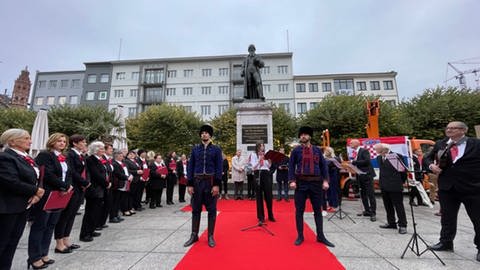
<point x="153" y="239"/>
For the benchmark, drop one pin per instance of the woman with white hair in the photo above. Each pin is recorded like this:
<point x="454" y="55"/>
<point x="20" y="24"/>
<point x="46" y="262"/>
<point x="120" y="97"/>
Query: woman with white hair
<point x="18" y="191"/>
<point x="98" y="175"/>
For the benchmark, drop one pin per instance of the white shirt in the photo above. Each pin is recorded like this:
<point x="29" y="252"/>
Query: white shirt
<point x="255" y="161"/>
<point x="461" y="149"/>
<point x="63" y="164"/>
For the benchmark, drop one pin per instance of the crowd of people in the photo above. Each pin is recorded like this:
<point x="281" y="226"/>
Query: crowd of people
<point x="113" y="182"/>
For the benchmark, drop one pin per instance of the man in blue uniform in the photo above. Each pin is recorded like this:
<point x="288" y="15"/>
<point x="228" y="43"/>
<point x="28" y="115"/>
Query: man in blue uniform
<point x="204" y="174"/>
<point x="308" y="175"/>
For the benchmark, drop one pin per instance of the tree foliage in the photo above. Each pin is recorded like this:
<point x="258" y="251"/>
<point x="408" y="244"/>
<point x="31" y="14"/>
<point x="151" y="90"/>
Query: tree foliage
<point x="94" y="122"/>
<point x="429" y="113"/>
<point x="16" y="118"/>
<point x="225" y="131"/>
<point x="164" y="128"/>
<point x="284" y="128"/>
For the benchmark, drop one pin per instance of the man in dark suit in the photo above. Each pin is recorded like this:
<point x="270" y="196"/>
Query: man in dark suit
<point x="391" y="183"/>
<point x="361" y="158"/>
<point x="456" y="161"/>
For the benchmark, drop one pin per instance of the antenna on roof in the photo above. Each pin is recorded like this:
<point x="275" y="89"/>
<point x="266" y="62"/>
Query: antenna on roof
<point x="120" y="49"/>
<point x="288" y="43"/>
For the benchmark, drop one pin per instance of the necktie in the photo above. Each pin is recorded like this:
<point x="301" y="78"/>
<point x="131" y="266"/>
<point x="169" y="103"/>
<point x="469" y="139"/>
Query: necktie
<point x="61" y="158"/>
<point x="354" y="154"/>
<point x="29" y="160"/>
<point x="454" y="152"/>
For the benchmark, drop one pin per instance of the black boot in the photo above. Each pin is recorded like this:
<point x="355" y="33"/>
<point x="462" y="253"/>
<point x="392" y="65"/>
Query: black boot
<point x="320" y="236"/>
<point x="194" y="235"/>
<point x="211" y="229"/>
<point x="299" y="240"/>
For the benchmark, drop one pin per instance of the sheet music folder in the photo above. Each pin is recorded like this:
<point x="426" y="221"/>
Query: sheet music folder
<point x="57" y="201"/>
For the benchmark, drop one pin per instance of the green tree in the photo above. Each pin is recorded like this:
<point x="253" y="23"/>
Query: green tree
<point x="284" y="128"/>
<point x="164" y="128"/>
<point x="225" y="131"/>
<point x="94" y="122"/>
<point x="429" y="113"/>
<point x="16" y="118"/>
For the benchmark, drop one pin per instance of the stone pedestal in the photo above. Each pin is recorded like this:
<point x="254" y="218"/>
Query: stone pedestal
<point x="254" y="123"/>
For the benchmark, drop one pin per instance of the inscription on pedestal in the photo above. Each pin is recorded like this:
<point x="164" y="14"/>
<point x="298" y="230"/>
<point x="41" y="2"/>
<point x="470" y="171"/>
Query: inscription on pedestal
<point x="251" y="134"/>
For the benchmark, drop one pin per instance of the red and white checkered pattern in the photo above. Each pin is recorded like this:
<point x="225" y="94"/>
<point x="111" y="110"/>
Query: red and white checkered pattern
<point x="369" y="147"/>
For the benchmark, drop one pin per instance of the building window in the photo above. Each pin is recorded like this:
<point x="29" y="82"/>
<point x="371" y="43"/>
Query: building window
<point x="171" y="91"/>
<point x="73" y="100"/>
<point x="135" y="75"/>
<point x="285" y="106"/>
<point x="92" y="78"/>
<point x="266" y="88"/>
<point x="62" y="100"/>
<point x="206" y="72"/>
<point x="187" y="91"/>
<point x="222" y="109"/>
<point x="313" y="105"/>
<point x="223" y="90"/>
<point x="265" y="70"/>
<point x="133" y="92"/>
<point x="205" y="109"/>
<point x="154" y="95"/>
<point x="171" y="74"/>
<point x="282" y="69"/>
<point x="327" y="87"/>
<point x="39" y="101"/>
<point x="375" y="85"/>
<point x="153" y="76"/>
<point x="301" y="107"/>
<point x="187" y="108"/>
<point x="102" y="95"/>
<point x="76" y="83"/>
<point x="90" y="95"/>
<point x="206" y="90"/>
<point x="52" y="84"/>
<point x="104" y="78"/>
<point x="132" y="112"/>
<point x="42" y="84"/>
<point x="50" y="100"/>
<point x="120" y="76"/>
<point x="223" y="72"/>
<point x="300" y="87"/>
<point x="387" y="85"/>
<point x="361" y="86"/>
<point x="343" y="87"/>
<point x="118" y="93"/>
<point x="63" y="83"/>
<point x="283" y="87"/>
<point x="313" y="87"/>
<point x="187" y="73"/>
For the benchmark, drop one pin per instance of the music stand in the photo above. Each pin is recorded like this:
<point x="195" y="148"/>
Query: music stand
<point x="260" y="224"/>
<point x="340" y="213"/>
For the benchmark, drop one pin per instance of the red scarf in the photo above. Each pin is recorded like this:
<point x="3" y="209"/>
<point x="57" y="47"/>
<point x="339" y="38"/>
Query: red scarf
<point x="29" y="160"/>
<point x="61" y="158"/>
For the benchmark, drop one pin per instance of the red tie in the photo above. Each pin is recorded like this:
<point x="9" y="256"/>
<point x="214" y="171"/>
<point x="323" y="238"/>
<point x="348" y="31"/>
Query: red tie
<point x="454" y="151"/>
<point x="29" y="160"/>
<point x="354" y="154"/>
<point x="61" y="158"/>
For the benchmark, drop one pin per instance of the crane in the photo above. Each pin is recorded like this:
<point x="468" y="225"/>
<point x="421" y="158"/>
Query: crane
<point x="461" y="74"/>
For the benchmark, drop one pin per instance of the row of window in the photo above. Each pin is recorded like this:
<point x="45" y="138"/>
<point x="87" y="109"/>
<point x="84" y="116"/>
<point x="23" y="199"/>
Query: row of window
<point x="119" y="93"/>
<point x="343" y="85"/>
<point x="222" y="72"/>
<point x="206" y="110"/>
<point x="60" y="100"/>
<point x="75" y="83"/>
<point x="102" y="78"/>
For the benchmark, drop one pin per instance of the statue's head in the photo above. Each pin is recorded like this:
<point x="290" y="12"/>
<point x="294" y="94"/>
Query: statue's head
<point x="251" y="49"/>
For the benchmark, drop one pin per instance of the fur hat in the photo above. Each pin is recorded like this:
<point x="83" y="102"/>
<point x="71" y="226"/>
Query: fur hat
<point x="206" y="128"/>
<point x="305" y="130"/>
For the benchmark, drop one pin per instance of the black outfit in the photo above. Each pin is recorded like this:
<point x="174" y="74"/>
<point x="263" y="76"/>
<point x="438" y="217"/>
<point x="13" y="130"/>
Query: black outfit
<point x="414" y="193"/>
<point x="97" y="174"/>
<point x="391" y="184"/>
<point x="108" y="196"/>
<point x="458" y="183"/>
<point x="224" y="185"/>
<point x="44" y="222"/>
<point x="264" y="190"/>
<point x="157" y="184"/>
<point x="251" y="185"/>
<point x="18" y="183"/>
<point x="143" y="182"/>
<point x="76" y="167"/>
<point x="282" y="177"/>
<point x="365" y="181"/>
<point x="182" y="181"/>
<point x="136" y="188"/>
<point x="171" y="179"/>
<point x="119" y="193"/>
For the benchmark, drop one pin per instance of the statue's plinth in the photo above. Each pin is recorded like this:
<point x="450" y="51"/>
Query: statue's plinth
<point x="254" y="124"/>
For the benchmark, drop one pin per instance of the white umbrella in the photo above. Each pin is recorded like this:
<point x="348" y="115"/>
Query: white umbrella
<point x="119" y="134"/>
<point x="39" y="133"/>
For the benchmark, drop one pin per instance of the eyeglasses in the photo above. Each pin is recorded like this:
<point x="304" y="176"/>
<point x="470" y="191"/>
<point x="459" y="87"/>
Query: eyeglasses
<point x="453" y="128"/>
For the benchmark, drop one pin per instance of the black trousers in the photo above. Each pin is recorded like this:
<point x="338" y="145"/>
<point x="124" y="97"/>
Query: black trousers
<point x="181" y="192"/>
<point x="393" y="202"/>
<point x="414" y="193"/>
<point x="125" y="201"/>
<point x="156" y="197"/>
<point x="171" y="182"/>
<point x="314" y="191"/>
<point x="115" y="207"/>
<point x="251" y="186"/>
<point x="107" y="206"/>
<point x="224" y="185"/>
<point x="264" y="189"/>
<point x="12" y="226"/>
<point x="238" y="189"/>
<point x="202" y="195"/>
<point x="67" y="217"/>
<point x="367" y="193"/>
<point x="450" y="201"/>
<point x="93" y="212"/>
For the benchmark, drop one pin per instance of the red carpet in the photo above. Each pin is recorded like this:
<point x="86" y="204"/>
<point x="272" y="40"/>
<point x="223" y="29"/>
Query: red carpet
<point x="255" y="248"/>
<point x="250" y="206"/>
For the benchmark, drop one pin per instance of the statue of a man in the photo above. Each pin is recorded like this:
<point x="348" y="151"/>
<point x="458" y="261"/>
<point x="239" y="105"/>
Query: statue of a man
<point x="251" y="75"/>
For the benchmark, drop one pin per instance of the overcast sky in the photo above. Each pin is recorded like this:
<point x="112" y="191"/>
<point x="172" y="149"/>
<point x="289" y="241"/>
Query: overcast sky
<point x="415" y="38"/>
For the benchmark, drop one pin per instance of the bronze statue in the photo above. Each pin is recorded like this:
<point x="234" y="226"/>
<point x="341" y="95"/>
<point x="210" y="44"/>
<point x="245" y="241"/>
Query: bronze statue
<point x="251" y="75"/>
